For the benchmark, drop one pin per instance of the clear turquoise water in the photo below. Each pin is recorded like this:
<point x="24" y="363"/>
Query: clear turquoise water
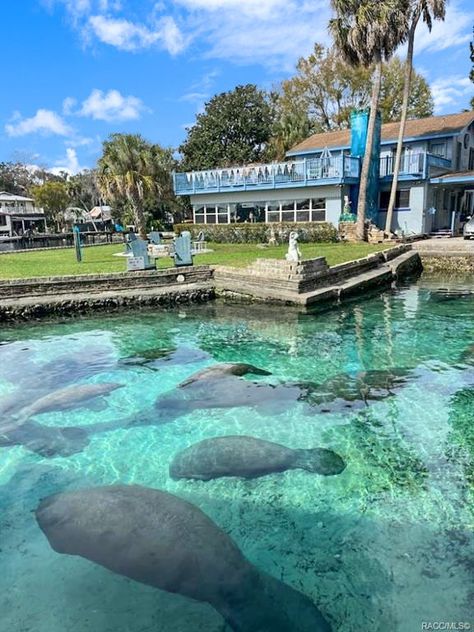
<point x="384" y="546"/>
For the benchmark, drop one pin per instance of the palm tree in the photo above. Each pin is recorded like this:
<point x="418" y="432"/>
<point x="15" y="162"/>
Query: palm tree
<point x="429" y="10"/>
<point x="132" y="169"/>
<point x="367" y="32"/>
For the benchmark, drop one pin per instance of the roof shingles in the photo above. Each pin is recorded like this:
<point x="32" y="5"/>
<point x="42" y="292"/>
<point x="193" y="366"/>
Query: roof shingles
<point x="434" y="125"/>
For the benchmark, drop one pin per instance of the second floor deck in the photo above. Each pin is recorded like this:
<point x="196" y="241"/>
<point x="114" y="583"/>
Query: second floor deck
<point x="297" y="173"/>
<point x="341" y="169"/>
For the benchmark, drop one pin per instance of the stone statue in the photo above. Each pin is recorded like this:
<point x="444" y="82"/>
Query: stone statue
<point x="293" y="253"/>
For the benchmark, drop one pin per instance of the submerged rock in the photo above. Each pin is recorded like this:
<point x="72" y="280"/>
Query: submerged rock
<point x="249" y="457"/>
<point x="158" y="539"/>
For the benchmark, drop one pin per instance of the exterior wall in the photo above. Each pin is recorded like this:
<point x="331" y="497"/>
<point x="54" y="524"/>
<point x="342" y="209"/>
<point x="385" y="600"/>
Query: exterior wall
<point x="410" y="220"/>
<point x="332" y="194"/>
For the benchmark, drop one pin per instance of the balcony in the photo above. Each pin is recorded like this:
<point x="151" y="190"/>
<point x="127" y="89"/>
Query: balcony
<point x="15" y="209"/>
<point x="413" y="166"/>
<point x="301" y="173"/>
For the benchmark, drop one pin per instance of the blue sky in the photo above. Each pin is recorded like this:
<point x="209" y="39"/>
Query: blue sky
<point x="75" y="71"/>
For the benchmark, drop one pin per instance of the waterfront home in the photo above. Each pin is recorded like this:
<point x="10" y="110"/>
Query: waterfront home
<point x="18" y="214"/>
<point x="435" y="191"/>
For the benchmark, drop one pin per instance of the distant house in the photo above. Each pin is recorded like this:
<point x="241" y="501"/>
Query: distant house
<point x="18" y="214"/>
<point x="435" y="190"/>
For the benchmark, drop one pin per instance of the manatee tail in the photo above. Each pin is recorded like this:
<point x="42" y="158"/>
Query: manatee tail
<point x="270" y="605"/>
<point x="319" y="461"/>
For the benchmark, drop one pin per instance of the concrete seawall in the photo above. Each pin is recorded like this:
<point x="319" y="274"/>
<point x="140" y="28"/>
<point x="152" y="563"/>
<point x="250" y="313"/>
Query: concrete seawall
<point x="301" y="284"/>
<point x="309" y="282"/>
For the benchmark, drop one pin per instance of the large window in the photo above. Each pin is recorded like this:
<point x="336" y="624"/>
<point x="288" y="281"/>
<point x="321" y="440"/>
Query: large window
<point x="301" y="210"/>
<point x="211" y="214"/>
<point x="401" y="201"/>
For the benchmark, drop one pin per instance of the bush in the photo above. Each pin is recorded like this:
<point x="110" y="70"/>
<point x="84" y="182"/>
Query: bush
<point x="260" y="233"/>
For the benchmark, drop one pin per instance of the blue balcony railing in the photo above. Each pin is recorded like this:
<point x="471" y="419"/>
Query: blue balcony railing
<point x="413" y="165"/>
<point x="306" y="172"/>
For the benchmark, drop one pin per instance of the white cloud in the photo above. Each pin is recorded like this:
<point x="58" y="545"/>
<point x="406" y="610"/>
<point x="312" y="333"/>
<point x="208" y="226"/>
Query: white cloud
<point x="69" y="104"/>
<point x="454" y="31"/>
<point x="43" y="122"/>
<point x="80" y="141"/>
<point x="130" y="36"/>
<point x="70" y="164"/>
<point x="451" y="93"/>
<point x="112" y="106"/>
<point x="273" y="33"/>
<point x="262" y="8"/>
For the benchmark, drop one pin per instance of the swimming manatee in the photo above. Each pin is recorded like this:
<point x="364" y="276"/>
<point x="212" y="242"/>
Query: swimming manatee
<point x="47" y="441"/>
<point x="158" y="539"/>
<point x="249" y="457"/>
<point x="223" y="369"/>
<point x="68" y="398"/>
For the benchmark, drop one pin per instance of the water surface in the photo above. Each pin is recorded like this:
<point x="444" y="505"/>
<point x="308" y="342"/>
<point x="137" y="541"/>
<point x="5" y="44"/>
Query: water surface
<point x="386" y="545"/>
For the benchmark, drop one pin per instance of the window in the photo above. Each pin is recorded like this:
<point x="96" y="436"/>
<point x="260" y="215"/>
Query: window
<point x="222" y="214"/>
<point x="471" y="160"/>
<point x="439" y="149"/>
<point x="318" y="210"/>
<point x="401" y="201"/>
<point x="3" y="220"/>
<point x="199" y="214"/>
<point x="288" y="211"/>
<point x="302" y="210"/>
<point x="273" y="212"/>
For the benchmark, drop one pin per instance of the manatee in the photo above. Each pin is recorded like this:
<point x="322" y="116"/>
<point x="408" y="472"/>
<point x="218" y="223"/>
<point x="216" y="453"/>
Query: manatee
<point x="223" y="369"/>
<point x="68" y="398"/>
<point x="47" y="441"/>
<point x="160" y="540"/>
<point x="249" y="457"/>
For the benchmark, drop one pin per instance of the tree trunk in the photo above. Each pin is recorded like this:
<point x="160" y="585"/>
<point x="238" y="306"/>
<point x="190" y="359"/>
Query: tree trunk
<point x="364" y="176"/>
<point x="139" y="218"/>
<point x="401" y="134"/>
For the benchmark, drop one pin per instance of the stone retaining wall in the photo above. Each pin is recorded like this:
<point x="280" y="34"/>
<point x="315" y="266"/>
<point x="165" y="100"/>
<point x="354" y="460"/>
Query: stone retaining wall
<point x="93" y="283"/>
<point x="81" y="304"/>
<point x="300" y="277"/>
<point x="299" y="283"/>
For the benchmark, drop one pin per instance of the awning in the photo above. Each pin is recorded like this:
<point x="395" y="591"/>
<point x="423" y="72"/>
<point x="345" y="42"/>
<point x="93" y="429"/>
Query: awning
<point x="462" y="177"/>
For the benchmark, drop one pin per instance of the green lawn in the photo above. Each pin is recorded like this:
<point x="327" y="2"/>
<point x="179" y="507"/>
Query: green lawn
<point x="100" y="258"/>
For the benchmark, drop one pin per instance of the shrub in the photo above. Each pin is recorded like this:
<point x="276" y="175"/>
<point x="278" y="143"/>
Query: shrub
<point x="309" y="232"/>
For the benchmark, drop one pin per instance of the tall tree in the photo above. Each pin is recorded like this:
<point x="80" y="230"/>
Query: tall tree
<point x="84" y="190"/>
<point x="234" y="129"/>
<point x="325" y="89"/>
<point x="429" y="10"/>
<point x="131" y="170"/>
<point x="290" y="127"/>
<point x="368" y="32"/>
<point x="54" y="198"/>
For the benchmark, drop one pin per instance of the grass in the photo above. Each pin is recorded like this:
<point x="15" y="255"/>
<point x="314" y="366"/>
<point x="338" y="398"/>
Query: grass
<point x="100" y="259"/>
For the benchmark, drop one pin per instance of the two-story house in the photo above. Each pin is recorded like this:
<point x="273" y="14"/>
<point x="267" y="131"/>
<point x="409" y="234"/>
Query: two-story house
<point x="18" y="213"/>
<point x="436" y="184"/>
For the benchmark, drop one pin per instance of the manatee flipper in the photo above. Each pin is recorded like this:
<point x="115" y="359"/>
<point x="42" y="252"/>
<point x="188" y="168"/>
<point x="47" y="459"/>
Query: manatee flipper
<point x="273" y="605"/>
<point x="319" y="461"/>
